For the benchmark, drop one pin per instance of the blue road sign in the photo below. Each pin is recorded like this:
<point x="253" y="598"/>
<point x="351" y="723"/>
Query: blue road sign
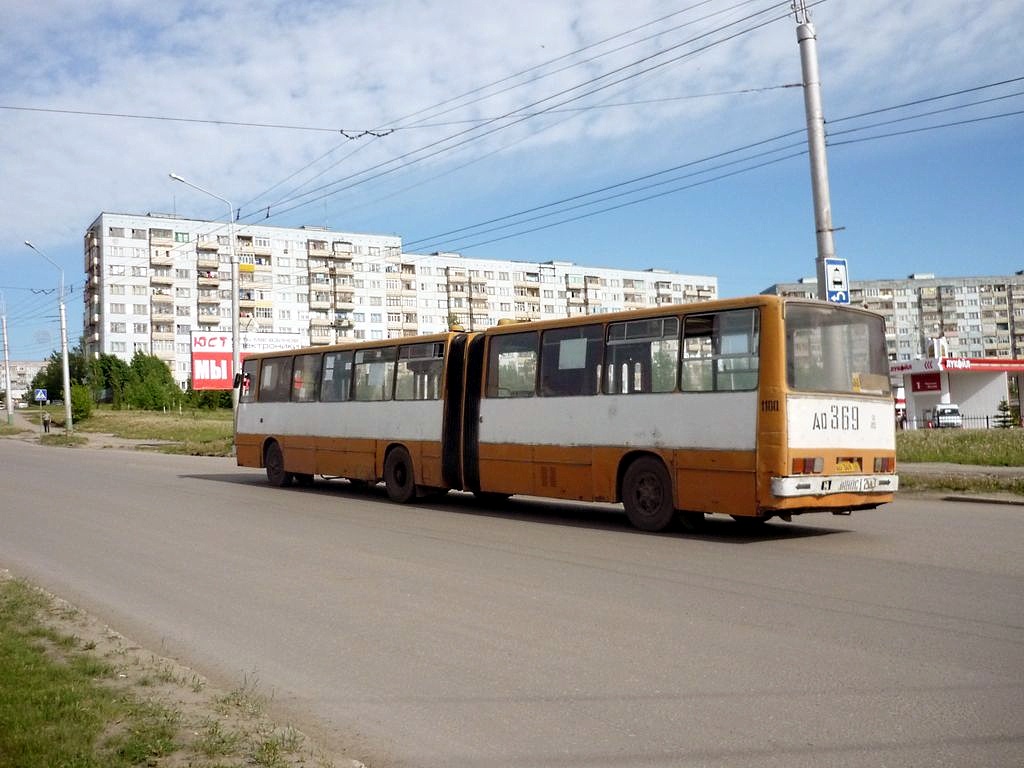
<point x="837" y="281"/>
<point x="41" y="396"/>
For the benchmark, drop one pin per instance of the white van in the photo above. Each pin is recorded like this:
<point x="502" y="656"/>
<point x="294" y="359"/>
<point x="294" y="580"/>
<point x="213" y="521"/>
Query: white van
<point x="947" y="415"/>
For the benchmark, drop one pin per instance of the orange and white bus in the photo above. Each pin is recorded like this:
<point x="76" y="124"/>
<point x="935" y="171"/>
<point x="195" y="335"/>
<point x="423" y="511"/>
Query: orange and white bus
<point x="756" y="408"/>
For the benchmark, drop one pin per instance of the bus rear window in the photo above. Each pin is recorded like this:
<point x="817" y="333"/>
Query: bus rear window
<point x="831" y="349"/>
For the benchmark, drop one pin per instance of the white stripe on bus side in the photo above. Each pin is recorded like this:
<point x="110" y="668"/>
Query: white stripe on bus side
<point x="717" y="421"/>
<point x="408" y="420"/>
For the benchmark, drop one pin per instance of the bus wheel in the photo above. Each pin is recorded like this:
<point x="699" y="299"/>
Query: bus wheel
<point x="398" y="476"/>
<point x="273" y="460"/>
<point x="647" y="494"/>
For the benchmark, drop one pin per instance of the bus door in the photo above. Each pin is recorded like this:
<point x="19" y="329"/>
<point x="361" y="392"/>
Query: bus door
<point x="474" y="375"/>
<point x="452" y="427"/>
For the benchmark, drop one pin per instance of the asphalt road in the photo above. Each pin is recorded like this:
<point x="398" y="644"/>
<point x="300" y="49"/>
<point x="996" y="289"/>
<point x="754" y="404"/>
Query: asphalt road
<point x="548" y="634"/>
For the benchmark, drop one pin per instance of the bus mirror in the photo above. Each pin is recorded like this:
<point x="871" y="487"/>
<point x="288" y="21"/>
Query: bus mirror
<point x="237" y="382"/>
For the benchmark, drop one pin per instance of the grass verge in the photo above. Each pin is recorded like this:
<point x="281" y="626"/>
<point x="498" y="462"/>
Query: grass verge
<point x="986" y="447"/>
<point x="77" y="695"/>
<point x="974" y="483"/>
<point x="196" y="433"/>
<point x="54" y="709"/>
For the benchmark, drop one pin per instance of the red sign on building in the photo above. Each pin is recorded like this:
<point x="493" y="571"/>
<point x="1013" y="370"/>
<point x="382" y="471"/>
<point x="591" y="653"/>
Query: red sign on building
<point x="211" y="360"/>
<point x="926" y="382"/>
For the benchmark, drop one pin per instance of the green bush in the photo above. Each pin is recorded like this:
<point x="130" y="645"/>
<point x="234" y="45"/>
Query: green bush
<point x="81" y="402"/>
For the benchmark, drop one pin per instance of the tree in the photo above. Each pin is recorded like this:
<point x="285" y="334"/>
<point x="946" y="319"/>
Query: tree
<point x="51" y="377"/>
<point x="108" y="377"/>
<point x="81" y="402"/>
<point x="1004" y="416"/>
<point x="151" y="385"/>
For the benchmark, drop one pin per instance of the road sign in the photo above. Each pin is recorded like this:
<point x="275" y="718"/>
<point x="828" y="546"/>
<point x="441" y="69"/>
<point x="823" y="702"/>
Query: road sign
<point x="41" y="396"/>
<point x="837" y="281"/>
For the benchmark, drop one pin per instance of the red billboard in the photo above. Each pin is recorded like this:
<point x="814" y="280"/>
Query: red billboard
<point x="926" y="382"/>
<point x="211" y="360"/>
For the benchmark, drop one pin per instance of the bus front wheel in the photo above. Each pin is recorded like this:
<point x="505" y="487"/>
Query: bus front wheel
<point x="647" y="494"/>
<point x="399" y="480"/>
<point x="273" y="460"/>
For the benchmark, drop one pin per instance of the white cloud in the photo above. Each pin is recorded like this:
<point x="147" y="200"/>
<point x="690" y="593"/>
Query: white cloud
<point x="358" y="65"/>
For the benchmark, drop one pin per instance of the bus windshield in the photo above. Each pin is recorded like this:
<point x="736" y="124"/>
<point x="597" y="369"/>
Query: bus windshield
<point x="832" y="349"/>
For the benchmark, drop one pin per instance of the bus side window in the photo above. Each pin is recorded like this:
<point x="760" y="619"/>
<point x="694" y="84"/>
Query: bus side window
<point x="420" y="367"/>
<point x="568" y="360"/>
<point x="336" y="380"/>
<point x="374" y="372"/>
<point x="275" y="379"/>
<point x="512" y="365"/>
<point x="642" y="356"/>
<point x="306" y="378"/>
<point x="720" y="352"/>
<point x="250" y="375"/>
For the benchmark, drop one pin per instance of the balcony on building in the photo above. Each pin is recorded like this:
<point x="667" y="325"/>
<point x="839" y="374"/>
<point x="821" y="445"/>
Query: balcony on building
<point x="208" y="318"/>
<point x="161" y="257"/>
<point x="163" y="334"/>
<point x="247" y="298"/>
<point x="207" y="277"/>
<point x="345" y="301"/>
<point x="207" y="254"/>
<point x="158" y="278"/>
<point x="161" y="238"/>
<point x="318" y="248"/>
<point x="343" y="266"/>
<point x="319" y="335"/>
<point x="160" y="312"/>
<point x="318" y="300"/>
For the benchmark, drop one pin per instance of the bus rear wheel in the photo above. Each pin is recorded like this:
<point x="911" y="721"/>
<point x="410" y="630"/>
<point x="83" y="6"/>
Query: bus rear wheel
<point x="399" y="480"/>
<point x="647" y="494"/>
<point x="273" y="460"/>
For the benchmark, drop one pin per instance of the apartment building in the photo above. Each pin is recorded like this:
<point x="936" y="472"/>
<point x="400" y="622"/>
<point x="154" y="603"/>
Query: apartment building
<point x="970" y="316"/>
<point x="153" y="279"/>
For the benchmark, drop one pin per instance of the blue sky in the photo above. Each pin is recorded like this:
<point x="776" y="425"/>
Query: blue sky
<point x="691" y="80"/>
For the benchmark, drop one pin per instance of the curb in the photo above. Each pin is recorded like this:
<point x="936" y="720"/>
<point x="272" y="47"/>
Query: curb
<point x="985" y="500"/>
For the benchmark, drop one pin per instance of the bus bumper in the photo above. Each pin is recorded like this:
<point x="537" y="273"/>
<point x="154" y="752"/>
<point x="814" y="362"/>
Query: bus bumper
<point x="812" y="485"/>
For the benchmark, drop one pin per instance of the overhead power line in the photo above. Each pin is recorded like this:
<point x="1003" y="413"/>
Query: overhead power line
<point x="396" y="124"/>
<point x="475" y="229"/>
<point x="348" y="133"/>
<point x="460" y="138"/>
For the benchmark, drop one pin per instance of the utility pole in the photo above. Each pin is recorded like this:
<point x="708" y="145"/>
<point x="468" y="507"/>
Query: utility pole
<point x="806" y="38"/>
<point x="8" y="399"/>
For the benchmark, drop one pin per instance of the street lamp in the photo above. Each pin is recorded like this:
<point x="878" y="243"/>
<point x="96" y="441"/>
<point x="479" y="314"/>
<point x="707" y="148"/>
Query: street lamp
<point x="63" y="342"/>
<point x="235" y="341"/>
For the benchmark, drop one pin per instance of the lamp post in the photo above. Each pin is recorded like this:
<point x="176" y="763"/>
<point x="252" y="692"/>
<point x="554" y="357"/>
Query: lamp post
<point x="235" y="341"/>
<point x="63" y="342"/>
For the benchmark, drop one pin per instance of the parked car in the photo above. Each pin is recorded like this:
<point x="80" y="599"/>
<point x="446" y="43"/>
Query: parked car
<point x="947" y="415"/>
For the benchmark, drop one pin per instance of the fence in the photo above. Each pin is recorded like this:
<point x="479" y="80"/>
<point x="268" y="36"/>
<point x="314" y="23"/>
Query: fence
<point x="969" y="422"/>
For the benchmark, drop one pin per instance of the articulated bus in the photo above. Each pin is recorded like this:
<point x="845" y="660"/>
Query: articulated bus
<point x="755" y="408"/>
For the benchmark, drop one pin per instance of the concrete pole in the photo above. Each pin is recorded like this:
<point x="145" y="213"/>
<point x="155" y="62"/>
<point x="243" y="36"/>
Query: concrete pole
<point x="7" y="372"/>
<point x="236" y="343"/>
<point x="64" y="355"/>
<point x="63" y="342"/>
<point x="807" y="40"/>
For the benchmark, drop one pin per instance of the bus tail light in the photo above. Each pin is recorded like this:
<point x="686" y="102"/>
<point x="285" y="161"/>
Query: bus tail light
<point x="808" y="466"/>
<point x="885" y="464"/>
